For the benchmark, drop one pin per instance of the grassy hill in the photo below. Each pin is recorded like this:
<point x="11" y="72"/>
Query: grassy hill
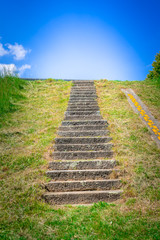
<point x="30" y="115"/>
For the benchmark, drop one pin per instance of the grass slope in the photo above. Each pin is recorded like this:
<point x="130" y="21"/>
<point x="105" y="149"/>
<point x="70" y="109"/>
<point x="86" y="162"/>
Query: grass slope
<point x="10" y="92"/>
<point x="26" y="136"/>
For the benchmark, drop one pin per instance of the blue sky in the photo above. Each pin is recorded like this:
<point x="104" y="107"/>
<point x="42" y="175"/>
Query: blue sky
<point x="69" y="39"/>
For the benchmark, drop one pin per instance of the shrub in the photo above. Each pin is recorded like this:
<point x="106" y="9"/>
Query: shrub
<point x="155" y="72"/>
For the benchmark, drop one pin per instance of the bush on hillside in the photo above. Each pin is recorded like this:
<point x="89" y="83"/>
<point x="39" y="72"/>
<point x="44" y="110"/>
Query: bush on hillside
<point x="10" y="92"/>
<point x="155" y="72"/>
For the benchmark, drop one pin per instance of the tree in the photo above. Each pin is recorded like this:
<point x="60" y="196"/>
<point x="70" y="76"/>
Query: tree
<point x="155" y="72"/>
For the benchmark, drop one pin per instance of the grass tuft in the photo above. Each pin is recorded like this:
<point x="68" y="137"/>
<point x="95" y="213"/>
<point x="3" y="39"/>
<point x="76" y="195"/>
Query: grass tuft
<point x="10" y="92"/>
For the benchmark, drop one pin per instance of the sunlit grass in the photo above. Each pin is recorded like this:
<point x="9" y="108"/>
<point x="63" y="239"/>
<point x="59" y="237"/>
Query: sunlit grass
<point x="135" y="150"/>
<point x="26" y="138"/>
<point x="10" y="92"/>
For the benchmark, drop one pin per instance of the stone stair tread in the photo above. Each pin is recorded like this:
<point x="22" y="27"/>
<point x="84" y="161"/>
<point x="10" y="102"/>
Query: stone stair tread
<point x="82" y="164"/>
<point x="86" y="144"/>
<point x="82" y="105"/>
<point x="83" y="139"/>
<point x="83" y="185"/>
<point x="75" y="111"/>
<point x="68" y="155"/>
<point x="99" y="122"/>
<point x="88" y="88"/>
<point x="82" y="170"/>
<point x="82" y="117"/>
<point x="91" y="101"/>
<point x="83" y="95"/>
<point x="83" y="109"/>
<point x="83" y="147"/>
<point x="84" y="192"/>
<point x="88" y="160"/>
<point x="88" y="180"/>
<point x="90" y="131"/>
<point x="82" y="99"/>
<point x="81" y="160"/>
<point x="90" y="98"/>
<point x="83" y="174"/>
<point x="86" y="93"/>
<point x="84" y="133"/>
<point x="80" y="197"/>
<point x="81" y="113"/>
<point x="83" y="127"/>
<point x="84" y="113"/>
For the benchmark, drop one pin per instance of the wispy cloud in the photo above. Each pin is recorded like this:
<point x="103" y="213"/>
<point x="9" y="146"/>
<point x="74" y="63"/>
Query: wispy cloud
<point x="2" y="50"/>
<point x="17" y="51"/>
<point x="7" y="68"/>
<point x="12" y="69"/>
<point x="23" y="68"/>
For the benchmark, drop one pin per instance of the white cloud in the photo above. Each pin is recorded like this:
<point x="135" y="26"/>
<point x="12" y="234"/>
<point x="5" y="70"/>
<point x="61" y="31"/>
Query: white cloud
<point x="7" y="69"/>
<point x="12" y="69"/>
<point x="17" y="51"/>
<point x="23" y="68"/>
<point x="2" y="50"/>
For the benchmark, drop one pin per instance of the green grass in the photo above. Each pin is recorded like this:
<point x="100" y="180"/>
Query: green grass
<point x="134" y="148"/>
<point x="26" y="138"/>
<point x="10" y="92"/>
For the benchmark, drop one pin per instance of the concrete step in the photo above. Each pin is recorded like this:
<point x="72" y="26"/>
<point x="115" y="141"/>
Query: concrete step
<point x="79" y="100"/>
<point x="85" y="185"/>
<point x="82" y="140"/>
<point x="87" y="174"/>
<point x="82" y="81"/>
<point x="83" y="95"/>
<point x="73" y="95"/>
<point x="83" y="164"/>
<point x="86" y="84"/>
<point x="96" y="108"/>
<point x="83" y="86"/>
<point x="83" y="133"/>
<point x="82" y="197"/>
<point x="85" y="104"/>
<point x="83" y="89"/>
<point x="82" y="128"/>
<point x="69" y="113"/>
<point x="81" y="155"/>
<point x="85" y="122"/>
<point x="82" y="117"/>
<point x="83" y="147"/>
<point x="82" y="108"/>
<point x="83" y="92"/>
<point x="91" y="99"/>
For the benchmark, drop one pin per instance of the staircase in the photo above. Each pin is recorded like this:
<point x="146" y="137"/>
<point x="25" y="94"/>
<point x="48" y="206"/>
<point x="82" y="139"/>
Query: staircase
<point x="80" y="172"/>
